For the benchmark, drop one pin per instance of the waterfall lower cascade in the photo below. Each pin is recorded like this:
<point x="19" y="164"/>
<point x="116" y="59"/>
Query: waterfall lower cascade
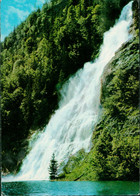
<point x="70" y="128"/>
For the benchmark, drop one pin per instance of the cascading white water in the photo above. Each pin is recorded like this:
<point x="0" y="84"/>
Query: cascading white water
<point x="70" y="128"/>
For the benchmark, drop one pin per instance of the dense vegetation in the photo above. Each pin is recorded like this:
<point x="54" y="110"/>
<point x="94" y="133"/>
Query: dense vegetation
<point x="38" y="56"/>
<point x="115" y="151"/>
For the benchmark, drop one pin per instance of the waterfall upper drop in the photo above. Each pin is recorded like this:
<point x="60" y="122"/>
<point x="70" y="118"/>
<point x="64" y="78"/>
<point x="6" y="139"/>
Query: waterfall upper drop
<point x="70" y="128"/>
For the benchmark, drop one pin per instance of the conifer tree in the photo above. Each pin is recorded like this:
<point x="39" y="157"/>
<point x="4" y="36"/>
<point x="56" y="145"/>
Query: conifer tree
<point x="53" y="168"/>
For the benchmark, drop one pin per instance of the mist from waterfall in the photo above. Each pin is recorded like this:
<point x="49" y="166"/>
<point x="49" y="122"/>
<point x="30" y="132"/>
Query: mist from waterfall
<point x="70" y="128"/>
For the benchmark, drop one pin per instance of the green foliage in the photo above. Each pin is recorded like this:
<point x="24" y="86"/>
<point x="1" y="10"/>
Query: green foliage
<point x="74" y="161"/>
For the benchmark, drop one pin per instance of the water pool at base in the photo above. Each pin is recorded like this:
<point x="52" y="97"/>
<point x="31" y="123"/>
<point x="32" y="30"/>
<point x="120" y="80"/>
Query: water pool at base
<point x="44" y="188"/>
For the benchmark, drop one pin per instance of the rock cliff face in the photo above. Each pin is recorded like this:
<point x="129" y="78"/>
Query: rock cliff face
<point x="114" y="155"/>
<point x="124" y="65"/>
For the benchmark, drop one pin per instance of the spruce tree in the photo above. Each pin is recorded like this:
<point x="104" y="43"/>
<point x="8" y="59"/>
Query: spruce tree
<point x="53" y="168"/>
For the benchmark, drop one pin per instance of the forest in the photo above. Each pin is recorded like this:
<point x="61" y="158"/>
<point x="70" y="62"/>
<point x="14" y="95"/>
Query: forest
<point x="40" y="55"/>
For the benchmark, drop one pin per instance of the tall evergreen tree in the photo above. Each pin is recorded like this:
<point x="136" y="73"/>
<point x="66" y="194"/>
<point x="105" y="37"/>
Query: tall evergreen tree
<point x="53" y="168"/>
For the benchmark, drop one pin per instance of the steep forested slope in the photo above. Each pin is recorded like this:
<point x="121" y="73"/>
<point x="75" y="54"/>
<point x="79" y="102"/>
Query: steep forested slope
<point x="36" y="59"/>
<point x="115" y="151"/>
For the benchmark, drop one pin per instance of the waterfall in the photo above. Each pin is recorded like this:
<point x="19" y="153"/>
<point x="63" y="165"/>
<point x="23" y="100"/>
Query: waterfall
<point x="70" y="128"/>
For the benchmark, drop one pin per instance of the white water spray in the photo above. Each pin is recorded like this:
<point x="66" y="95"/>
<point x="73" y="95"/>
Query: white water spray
<point x="70" y="128"/>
